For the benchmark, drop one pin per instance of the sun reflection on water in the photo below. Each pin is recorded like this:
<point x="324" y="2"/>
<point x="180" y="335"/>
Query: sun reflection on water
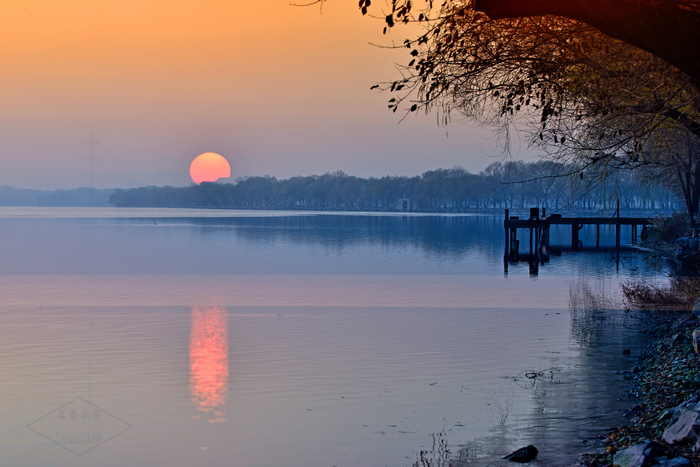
<point x="209" y="360"/>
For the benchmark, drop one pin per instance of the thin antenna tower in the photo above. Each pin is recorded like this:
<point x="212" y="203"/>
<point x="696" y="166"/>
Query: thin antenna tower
<point x="92" y="143"/>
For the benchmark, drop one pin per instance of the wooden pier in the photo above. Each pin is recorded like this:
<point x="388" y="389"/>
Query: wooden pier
<point x="539" y="225"/>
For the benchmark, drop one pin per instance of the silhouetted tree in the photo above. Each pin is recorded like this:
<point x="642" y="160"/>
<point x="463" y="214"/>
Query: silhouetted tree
<point x="605" y="84"/>
<point x="514" y="185"/>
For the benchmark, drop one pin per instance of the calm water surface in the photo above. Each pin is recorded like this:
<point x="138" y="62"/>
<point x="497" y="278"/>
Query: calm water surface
<point x="233" y="338"/>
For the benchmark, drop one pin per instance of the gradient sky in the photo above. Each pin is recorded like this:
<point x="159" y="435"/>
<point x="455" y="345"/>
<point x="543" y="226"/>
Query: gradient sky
<point x="277" y="89"/>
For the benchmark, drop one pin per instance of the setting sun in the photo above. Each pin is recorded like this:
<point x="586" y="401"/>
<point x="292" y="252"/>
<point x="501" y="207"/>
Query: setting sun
<point x="209" y="167"/>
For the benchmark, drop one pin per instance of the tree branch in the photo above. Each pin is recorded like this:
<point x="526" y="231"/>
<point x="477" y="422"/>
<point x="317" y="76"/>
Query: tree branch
<point x="669" y="29"/>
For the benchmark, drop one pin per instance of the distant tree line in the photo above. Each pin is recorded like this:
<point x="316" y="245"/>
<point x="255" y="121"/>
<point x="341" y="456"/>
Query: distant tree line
<point x="513" y="185"/>
<point x="10" y="196"/>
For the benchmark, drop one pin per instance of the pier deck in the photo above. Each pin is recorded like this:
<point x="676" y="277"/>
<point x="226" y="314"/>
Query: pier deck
<point x="539" y="226"/>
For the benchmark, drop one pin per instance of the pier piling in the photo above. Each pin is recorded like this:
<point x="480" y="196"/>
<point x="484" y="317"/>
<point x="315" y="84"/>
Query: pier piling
<point x="539" y="227"/>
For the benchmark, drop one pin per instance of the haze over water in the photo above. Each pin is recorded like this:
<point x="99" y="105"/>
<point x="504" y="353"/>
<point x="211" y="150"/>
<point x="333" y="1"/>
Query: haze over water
<point x="183" y="337"/>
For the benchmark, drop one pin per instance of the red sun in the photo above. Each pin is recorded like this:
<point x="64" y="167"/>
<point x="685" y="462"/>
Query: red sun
<point x="209" y="167"/>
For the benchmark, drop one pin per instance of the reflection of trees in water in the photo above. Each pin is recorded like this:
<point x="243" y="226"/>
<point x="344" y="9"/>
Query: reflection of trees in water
<point x="590" y="394"/>
<point x="440" y="455"/>
<point x="579" y="399"/>
<point x="440" y="235"/>
<point x="589" y="313"/>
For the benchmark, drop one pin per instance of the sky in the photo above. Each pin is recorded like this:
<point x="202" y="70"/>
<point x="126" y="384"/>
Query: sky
<point x="277" y="89"/>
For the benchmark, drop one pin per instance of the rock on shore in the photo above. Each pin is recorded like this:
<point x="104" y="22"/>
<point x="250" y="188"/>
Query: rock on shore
<point x="664" y="427"/>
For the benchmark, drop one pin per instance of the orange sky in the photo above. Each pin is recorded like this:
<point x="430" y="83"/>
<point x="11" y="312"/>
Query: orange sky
<point x="276" y="89"/>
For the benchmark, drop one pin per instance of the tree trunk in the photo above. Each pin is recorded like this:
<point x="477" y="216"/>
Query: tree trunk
<point x="695" y="194"/>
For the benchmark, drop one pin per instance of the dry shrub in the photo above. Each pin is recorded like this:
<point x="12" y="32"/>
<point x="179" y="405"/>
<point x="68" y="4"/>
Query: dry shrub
<point x="668" y="229"/>
<point x="679" y="296"/>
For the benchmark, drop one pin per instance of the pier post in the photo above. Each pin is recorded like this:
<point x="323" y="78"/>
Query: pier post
<point x="534" y="231"/>
<point x="514" y="243"/>
<point x="534" y="266"/>
<point x="540" y="232"/>
<point x="507" y="235"/>
<point x="617" y="226"/>
<point x="574" y="235"/>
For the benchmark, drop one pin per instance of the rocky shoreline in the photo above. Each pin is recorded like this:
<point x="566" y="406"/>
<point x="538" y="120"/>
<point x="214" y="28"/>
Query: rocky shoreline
<point x="664" y="425"/>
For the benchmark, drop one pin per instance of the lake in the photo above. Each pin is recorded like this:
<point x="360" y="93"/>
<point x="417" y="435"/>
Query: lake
<point x="256" y="338"/>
